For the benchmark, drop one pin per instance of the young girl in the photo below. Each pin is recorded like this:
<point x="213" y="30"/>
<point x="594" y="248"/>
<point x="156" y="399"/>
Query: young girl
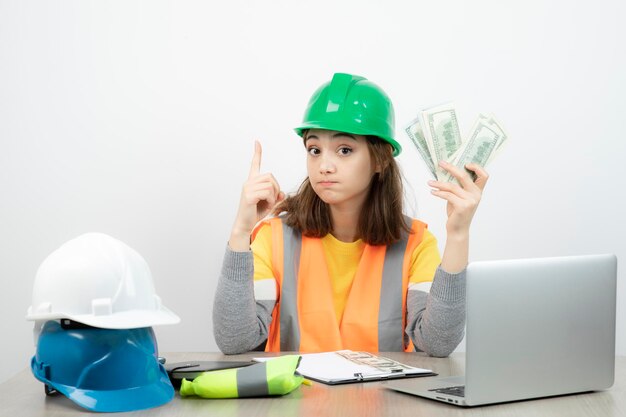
<point x="341" y="267"/>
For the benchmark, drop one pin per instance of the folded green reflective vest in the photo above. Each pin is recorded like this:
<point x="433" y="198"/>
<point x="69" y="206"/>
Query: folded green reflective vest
<point x="276" y="376"/>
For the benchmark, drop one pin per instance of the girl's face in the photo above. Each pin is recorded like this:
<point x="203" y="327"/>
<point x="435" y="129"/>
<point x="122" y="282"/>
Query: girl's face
<point x="339" y="165"/>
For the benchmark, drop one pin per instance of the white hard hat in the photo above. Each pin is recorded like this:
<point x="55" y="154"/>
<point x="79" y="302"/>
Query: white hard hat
<point x="97" y="280"/>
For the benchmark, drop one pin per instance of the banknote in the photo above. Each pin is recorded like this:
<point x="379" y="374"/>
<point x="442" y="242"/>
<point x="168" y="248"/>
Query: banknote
<point x="416" y="134"/>
<point x="442" y="134"/>
<point x="498" y="127"/>
<point x="479" y="147"/>
<point x="436" y="136"/>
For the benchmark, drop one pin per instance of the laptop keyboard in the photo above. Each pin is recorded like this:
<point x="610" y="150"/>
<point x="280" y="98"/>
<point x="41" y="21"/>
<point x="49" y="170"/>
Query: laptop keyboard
<point x="456" y="391"/>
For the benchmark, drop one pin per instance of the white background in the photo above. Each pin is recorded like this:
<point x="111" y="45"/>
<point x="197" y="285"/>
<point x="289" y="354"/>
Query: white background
<point x="137" y="119"/>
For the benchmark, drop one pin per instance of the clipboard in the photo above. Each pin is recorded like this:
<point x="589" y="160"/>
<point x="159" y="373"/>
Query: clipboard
<point x="347" y="366"/>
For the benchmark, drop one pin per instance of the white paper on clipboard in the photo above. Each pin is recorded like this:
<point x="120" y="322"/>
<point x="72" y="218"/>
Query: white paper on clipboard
<point x="345" y="366"/>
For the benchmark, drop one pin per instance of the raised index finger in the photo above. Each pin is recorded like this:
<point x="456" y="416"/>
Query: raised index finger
<point x="255" y="167"/>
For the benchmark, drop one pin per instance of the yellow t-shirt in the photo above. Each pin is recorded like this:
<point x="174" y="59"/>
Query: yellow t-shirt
<point x="343" y="259"/>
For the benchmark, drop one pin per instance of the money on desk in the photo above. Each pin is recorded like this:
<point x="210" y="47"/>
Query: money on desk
<point x="437" y="137"/>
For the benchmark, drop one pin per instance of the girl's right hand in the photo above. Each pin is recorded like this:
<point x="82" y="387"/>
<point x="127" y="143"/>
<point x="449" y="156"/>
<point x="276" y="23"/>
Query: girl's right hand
<point x="260" y="194"/>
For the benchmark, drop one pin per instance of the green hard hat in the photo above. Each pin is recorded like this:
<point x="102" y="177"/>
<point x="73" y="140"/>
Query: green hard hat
<point x="352" y="104"/>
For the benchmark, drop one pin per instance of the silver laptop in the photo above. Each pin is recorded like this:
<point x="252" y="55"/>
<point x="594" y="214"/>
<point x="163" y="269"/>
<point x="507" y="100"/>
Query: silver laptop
<point x="535" y="328"/>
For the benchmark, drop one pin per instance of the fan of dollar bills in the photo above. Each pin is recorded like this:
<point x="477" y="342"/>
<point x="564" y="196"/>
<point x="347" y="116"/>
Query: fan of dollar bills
<point x="436" y="135"/>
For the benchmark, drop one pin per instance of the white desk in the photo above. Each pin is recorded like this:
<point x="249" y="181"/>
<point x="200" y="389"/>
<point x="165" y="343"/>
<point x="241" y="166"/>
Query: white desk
<point x="23" y="396"/>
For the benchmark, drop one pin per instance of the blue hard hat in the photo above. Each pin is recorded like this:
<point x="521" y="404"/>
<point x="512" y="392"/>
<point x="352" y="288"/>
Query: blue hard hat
<point x="105" y="370"/>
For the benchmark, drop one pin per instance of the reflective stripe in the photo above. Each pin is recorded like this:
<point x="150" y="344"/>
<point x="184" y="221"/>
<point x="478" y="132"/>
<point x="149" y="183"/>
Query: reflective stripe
<point x="265" y="289"/>
<point x="390" y="327"/>
<point x="420" y="286"/>
<point x="289" y="326"/>
<point x="248" y="381"/>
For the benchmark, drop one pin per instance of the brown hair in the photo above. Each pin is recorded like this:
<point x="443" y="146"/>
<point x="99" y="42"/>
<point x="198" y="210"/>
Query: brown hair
<point x="381" y="221"/>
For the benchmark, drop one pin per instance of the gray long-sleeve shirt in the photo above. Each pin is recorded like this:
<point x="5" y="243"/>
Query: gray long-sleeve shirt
<point x="435" y="319"/>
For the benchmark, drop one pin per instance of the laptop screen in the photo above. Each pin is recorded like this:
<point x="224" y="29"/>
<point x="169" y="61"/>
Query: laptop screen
<point x="540" y="327"/>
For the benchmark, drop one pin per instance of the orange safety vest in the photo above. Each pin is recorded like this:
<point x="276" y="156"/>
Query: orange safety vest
<point x="304" y="317"/>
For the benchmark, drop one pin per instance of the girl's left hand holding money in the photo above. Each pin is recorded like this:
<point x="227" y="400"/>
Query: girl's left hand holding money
<point x="462" y="199"/>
